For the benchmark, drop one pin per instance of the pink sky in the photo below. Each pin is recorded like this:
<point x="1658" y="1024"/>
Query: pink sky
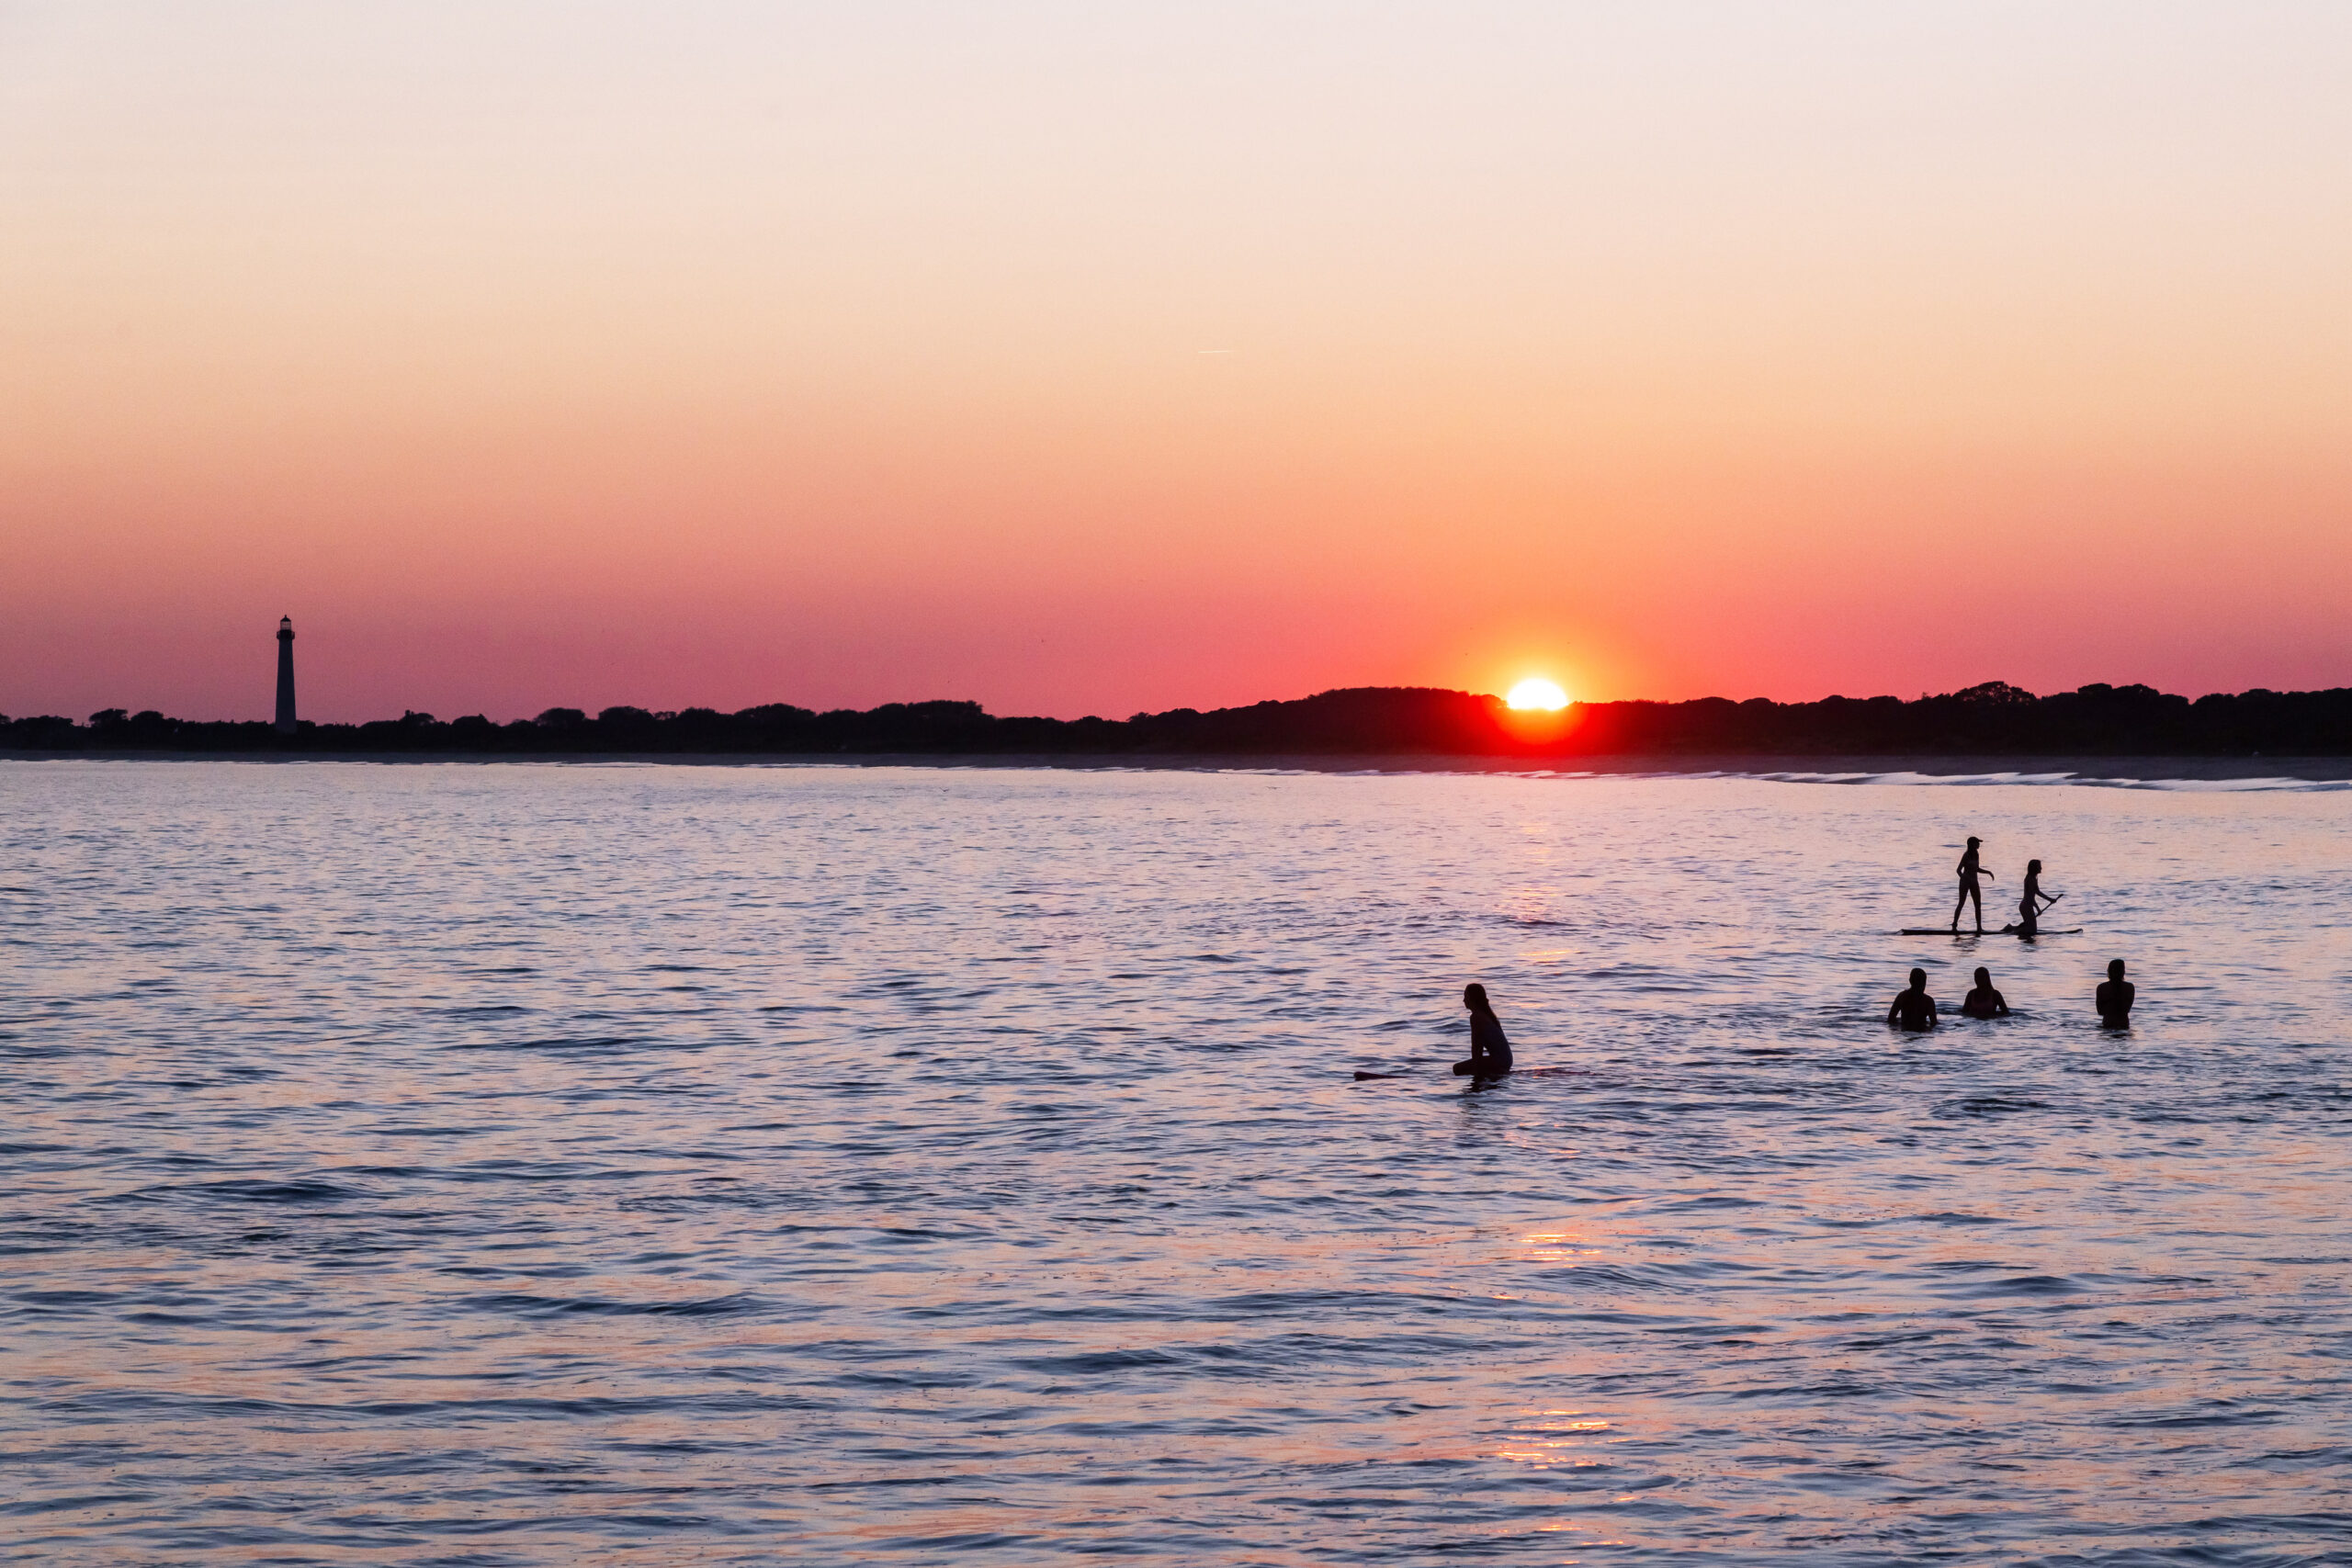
<point x="1093" y="359"/>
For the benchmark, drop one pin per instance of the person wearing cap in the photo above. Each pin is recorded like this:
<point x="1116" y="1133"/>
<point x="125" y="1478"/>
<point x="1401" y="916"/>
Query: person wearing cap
<point x="1969" y="872"/>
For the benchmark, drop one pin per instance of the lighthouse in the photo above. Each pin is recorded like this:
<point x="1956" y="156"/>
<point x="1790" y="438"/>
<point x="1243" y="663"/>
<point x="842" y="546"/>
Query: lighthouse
<point x="286" y="675"/>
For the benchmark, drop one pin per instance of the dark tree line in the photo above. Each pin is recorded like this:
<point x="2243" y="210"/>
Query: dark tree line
<point x="1991" y="719"/>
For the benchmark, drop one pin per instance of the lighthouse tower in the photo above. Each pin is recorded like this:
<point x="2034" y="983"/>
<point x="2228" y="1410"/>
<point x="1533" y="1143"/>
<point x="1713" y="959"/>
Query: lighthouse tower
<point x="286" y="675"/>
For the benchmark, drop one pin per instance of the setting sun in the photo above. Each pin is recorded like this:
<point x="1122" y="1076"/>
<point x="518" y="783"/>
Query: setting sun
<point x="1538" y="694"/>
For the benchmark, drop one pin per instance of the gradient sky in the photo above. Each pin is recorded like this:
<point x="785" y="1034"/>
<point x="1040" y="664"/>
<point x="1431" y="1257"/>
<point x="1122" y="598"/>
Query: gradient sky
<point x="1095" y="358"/>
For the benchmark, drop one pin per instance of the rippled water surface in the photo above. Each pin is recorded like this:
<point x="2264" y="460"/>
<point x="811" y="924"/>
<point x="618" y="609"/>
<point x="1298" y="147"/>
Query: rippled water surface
<point x="499" y="1165"/>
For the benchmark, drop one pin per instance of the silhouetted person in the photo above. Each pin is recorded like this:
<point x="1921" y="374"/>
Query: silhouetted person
<point x="2114" y="998"/>
<point x="1913" y="1009"/>
<point x="2031" y="902"/>
<point x="1490" y="1049"/>
<point x="1984" y="1001"/>
<point x="1969" y="891"/>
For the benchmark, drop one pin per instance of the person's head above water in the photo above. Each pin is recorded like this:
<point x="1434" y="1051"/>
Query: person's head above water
<point x="1918" y="979"/>
<point x="1984" y="976"/>
<point x="2115" y="968"/>
<point x="1474" y="996"/>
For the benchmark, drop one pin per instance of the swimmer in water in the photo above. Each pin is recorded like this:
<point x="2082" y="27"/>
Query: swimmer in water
<point x="1914" y="1009"/>
<point x="1490" y="1048"/>
<point x="1984" y="1001"/>
<point x="2032" y="901"/>
<point x="1969" y="891"/>
<point x="2114" y="998"/>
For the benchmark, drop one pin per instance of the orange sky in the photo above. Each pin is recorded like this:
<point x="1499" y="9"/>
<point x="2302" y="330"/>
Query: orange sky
<point x="1078" y="358"/>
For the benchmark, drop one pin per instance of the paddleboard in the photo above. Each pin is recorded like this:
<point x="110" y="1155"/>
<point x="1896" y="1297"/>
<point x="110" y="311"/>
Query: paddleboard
<point x="2004" y="931"/>
<point x="1514" y="1072"/>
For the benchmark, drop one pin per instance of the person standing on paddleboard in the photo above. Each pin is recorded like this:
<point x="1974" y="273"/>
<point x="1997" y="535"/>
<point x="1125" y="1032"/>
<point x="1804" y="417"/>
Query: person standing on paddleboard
<point x="1969" y="872"/>
<point x="1489" y="1047"/>
<point x="2031" y="904"/>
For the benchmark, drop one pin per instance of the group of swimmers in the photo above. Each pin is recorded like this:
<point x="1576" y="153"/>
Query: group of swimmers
<point x="1913" y="1009"/>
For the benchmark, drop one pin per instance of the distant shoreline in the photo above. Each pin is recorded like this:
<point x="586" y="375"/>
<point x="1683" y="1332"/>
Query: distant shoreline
<point x="2136" y="769"/>
<point x="1384" y="727"/>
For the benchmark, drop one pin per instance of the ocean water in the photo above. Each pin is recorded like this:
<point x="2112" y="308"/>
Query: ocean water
<point x="543" y="1164"/>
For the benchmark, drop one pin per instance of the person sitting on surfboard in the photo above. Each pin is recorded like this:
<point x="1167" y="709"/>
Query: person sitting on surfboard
<point x="1490" y="1048"/>
<point x="2113" y="998"/>
<point x="1969" y="872"/>
<point x="1984" y="1001"/>
<point x="1913" y="1009"/>
<point x="2031" y="903"/>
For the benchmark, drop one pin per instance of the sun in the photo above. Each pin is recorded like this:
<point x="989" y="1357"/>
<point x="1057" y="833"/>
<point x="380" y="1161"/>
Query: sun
<point x="1544" y="696"/>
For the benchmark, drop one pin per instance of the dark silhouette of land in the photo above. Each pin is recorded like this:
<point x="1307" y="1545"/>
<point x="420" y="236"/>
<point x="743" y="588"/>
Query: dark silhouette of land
<point x="1994" y="720"/>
